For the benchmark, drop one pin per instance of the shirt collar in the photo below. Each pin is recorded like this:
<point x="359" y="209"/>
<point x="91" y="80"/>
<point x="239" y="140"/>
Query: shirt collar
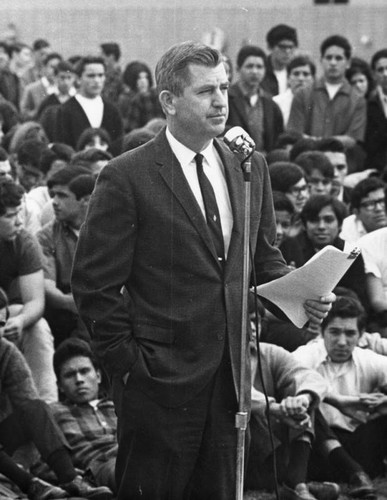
<point x="184" y="154"/>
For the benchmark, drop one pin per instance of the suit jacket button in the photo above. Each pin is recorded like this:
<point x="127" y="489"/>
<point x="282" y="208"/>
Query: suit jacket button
<point x="220" y="336"/>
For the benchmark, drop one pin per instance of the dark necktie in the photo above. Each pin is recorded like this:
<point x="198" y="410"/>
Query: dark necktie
<point x="211" y="207"/>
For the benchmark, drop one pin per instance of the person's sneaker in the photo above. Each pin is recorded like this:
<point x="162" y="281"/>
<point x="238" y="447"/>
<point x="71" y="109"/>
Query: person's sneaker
<point x="300" y="492"/>
<point x="40" y="490"/>
<point x="360" y="486"/>
<point x="81" y="487"/>
<point x="324" y="490"/>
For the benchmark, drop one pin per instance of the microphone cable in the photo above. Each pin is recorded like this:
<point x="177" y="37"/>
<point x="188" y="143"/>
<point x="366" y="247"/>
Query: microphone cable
<point x="260" y="372"/>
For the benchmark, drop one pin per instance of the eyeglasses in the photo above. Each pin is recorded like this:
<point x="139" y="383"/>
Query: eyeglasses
<point x="316" y="180"/>
<point x="372" y="204"/>
<point x="296" y="191"/>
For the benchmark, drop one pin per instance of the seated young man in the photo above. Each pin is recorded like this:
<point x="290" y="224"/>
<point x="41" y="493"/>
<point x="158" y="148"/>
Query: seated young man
<point x="21" y="276"/>
<point x="70" y="197"/>
<point x="294" y="393"/>
<point x="352" y="429"/>
<point x="23" y="418"/>
<point x="88" y="422"/>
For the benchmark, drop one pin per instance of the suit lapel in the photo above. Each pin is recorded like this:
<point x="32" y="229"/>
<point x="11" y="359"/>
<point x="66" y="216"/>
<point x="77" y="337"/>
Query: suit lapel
<point x="235" y="184"/>
<point x="172" y="174"/>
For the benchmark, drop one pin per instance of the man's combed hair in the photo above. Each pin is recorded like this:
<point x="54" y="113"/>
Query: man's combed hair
<point x="346" y="307"/>
<point x="171" y="70"/>
<point x="72" y="348"/>
<point x="11" y="195"/>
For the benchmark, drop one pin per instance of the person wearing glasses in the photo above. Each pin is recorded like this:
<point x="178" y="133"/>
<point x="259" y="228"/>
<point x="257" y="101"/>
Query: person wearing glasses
<point x="282" y="42"/>
<point x="368" y="206"/>
<point x="318" y="171"/>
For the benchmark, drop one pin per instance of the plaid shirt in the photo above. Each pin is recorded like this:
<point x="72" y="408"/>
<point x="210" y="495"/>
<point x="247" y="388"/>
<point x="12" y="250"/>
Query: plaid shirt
<point x="91" y="431"/>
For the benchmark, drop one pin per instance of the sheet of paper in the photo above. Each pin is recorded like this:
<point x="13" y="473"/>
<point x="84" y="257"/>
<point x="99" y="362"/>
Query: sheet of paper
<point x="315" y="278"/>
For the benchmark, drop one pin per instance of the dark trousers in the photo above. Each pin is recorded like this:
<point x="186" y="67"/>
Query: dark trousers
<point x="180" y="453"/>
<point x="367" y="445"/>
<point x="33" y="422"/>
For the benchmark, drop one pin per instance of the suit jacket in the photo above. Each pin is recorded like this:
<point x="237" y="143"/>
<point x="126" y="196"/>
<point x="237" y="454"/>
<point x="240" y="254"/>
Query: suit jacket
<point x="376" y="134"/>
<point x="145" y="232"/>
<point x="71" y="121"/>
<point x="272" y="116"/>
<point x="270" y="82"/>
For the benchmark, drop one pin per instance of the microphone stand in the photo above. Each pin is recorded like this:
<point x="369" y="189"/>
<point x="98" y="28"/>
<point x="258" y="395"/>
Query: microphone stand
<point x="241" y="418"/>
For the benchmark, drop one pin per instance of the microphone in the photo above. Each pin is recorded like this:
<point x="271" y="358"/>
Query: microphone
<point x="239" y="142"/>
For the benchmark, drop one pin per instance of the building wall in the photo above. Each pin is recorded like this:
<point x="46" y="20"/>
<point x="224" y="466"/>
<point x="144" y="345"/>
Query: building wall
<point x="145" y="28"/>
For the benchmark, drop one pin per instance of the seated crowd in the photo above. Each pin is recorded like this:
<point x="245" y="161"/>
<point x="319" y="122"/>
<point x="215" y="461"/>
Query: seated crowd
<point x="325" y="142"/>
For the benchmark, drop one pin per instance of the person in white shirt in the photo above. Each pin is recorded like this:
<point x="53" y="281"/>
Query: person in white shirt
<point x="357" y="377"/>
<point x="300" y="71"/>
<point x="368" y="204"/>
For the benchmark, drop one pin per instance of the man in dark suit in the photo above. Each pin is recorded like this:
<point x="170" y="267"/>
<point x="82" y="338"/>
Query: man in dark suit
<point x="161" y="296"/>
<point x="87" y="108"/>
<point x="250" y="107"/>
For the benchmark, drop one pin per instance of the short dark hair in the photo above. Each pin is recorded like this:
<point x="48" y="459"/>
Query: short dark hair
<point x="89" y="133"/>
<point x="72" y="348"/>
<point x="346" y="307"/>
<point x="276" y="155"/>
<point x="302" y="145"/>
<point x="11" y="194"/>
<point x="250" y="50"/>
<point x="136" y="138"/>
<point x="84" y="61"/>
<point x="288" y="138"/>
<point x="18" y="47"/>
<point x="87" y="157"/>
<point x="282" y="203"/>
<point x="30" y="152"/>
<point x="64" y="67"/>
<point x="380" y="54"/>
<point x="40" y="43"/>
<point x="3" y="154"/>
<point x="363" y="188"/>
<point x="65" y="175"/>
<point x="82" y="185"/>
<point x="111" y="48"/>
<point x="315" y="160"/>
<point x="132" y="72"/>
<point x="52" y="55"/>
<point x="55" y="151"/>
<point x="338" y="41"/>
<point x="284" y="175"/>
<point x="301" y="61"/>
<point x="331" y="145"/>
<point x="316" y="203"/>
<point x="172" y="68"/>
<point x="281" y="32"/>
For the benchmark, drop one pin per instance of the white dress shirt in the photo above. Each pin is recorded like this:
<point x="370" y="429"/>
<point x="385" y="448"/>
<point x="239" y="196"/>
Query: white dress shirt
<point x="214" y="170"/>
<point x="93" y="109"/>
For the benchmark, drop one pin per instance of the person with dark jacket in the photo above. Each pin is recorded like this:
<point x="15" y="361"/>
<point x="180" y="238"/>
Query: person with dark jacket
<point x="250" y="107"/>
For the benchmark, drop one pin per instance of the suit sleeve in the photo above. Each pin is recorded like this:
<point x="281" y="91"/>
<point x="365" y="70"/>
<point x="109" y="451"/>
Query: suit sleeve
<point x="102" y="266"/>
<point x="268" y="261"/>
<point x="357" y="126"/>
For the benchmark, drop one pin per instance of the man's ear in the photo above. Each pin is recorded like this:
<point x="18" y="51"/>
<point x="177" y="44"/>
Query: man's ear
<point x="99" y="376"/>
<point x="85" y="200"/>
<point x="167" y="101"/>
